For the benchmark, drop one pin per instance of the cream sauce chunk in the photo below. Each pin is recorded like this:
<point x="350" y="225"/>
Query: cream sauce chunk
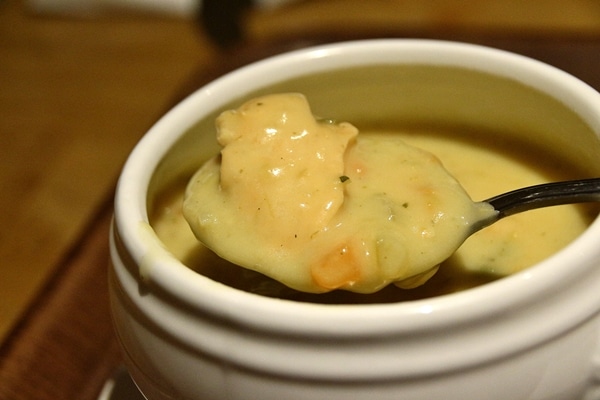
<point x="318" y="207"/>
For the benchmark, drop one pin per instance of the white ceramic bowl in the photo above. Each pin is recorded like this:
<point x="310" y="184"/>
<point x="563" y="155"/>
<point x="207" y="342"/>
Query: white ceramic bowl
<point x="533" y="335"/>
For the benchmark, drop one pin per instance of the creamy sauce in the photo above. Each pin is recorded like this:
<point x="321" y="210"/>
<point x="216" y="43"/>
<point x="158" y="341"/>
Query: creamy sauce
<point x="318" y="207"/>
<point x="530" y="237"/>
<point x="504" y="248"/>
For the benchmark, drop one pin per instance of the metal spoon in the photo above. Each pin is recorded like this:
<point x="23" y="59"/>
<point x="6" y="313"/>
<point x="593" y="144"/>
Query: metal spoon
<point x="538" y="196"/>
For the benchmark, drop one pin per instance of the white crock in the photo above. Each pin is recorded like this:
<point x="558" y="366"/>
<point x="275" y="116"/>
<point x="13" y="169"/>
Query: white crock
<point x="531" y="336"/>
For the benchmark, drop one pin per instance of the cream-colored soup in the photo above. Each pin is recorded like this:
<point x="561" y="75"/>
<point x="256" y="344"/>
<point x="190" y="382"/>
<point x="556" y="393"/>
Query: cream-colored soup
<point x="318" y="207"/>
<point x="484" y="168"/>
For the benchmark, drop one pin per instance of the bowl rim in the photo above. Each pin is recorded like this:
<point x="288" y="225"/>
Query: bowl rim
<point x="159" y="268"/>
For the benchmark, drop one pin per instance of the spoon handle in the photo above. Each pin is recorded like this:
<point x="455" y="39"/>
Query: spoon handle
<point x="546" y="195"/>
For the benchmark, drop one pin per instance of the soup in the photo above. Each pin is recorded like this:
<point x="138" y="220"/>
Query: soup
<point x="484" y="167"/>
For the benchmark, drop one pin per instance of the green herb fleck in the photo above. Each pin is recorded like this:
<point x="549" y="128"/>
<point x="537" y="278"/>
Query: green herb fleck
<point x="344" y="178"/>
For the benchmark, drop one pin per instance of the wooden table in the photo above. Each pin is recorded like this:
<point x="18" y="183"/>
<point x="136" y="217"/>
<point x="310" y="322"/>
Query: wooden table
<point x="76" y="93"/>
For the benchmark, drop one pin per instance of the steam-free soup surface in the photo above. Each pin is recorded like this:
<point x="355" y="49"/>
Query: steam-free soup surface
<point x="504" y="248"/>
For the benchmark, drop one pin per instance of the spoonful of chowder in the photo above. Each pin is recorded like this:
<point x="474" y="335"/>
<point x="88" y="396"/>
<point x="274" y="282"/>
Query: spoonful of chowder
<point x="317" y="207"/>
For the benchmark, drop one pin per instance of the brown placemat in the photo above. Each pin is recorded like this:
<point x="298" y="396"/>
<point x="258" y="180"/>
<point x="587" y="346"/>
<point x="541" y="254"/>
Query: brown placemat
<point x="64" y="347"/>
